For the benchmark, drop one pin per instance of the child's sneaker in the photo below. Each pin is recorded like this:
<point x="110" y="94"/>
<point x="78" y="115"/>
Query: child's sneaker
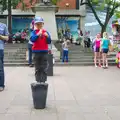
<point x="119" y="66"/>
<point x="100" y="65"/>
<point x="96" y="66"/>
<point x="1" y="89"/>
<point x="103" y="66"/>
<point x="106" y="66"/>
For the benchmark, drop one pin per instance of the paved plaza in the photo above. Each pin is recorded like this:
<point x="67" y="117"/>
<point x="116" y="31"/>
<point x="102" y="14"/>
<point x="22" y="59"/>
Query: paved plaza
<point x="75" y="93"/>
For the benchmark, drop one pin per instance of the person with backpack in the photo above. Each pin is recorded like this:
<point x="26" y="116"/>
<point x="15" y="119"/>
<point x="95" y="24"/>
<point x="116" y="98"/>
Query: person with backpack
<point x="40" y="39"/>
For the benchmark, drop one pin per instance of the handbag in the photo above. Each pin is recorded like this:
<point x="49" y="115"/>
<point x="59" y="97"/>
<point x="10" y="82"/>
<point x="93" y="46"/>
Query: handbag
<point x="110" y="48"/>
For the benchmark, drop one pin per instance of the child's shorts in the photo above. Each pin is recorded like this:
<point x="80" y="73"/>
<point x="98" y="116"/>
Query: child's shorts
<point x="105" y="51"/>
<point x="97" y="49"/>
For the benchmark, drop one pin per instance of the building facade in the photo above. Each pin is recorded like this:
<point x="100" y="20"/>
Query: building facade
<point x="69" y="16"/>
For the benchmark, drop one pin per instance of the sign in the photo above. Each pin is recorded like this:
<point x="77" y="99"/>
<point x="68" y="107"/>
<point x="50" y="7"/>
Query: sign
<point x="68" y="23"/>
<point x="21" y="23"/>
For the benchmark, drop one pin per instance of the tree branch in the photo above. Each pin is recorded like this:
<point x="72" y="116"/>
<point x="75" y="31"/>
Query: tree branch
<point x="94" y="12"/>
<point x="113" y="9"/>
<point x="107" y="14"/>
<point x="83" y="3"/>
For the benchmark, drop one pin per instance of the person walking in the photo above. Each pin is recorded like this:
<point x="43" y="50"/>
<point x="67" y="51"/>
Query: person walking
<point x="3" y="37"/>
<point x="105" y="48"/>
<point x="40" y="38"/>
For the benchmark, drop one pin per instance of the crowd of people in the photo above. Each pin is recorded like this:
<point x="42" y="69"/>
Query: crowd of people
<point x="39" y="46"/>
<point x="20" y="36"/>
<point x="101" y="46"/>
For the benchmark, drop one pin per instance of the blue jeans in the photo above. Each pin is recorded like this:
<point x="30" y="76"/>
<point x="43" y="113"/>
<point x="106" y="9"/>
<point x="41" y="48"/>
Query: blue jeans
<point x="65" y="55"/>
<point x="2" y="68"/>
<point x="30" y="53"/>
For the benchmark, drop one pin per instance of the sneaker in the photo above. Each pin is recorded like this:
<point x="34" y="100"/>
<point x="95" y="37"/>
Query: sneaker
<point x="106" y="66"/>
<point x="96" y="66"/>
<point x="1" y="89"/>
<point x="103" y="66"/>
<point x="30" y="65"/>
<point x="100" y="66"/>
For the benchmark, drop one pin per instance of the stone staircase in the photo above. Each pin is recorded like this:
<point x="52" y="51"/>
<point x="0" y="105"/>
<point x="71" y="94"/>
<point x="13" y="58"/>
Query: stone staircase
<point x="78" y="56"/>
<point x="15" y="55"/>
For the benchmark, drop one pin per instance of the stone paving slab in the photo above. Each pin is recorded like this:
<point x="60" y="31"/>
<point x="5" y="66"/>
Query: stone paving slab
<point x="75" y="93"/>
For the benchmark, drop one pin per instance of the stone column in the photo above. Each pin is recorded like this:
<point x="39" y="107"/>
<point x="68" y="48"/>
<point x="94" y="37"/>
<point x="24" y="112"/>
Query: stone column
<point x="82" y="18"/>
<point x="47" y="12"/>
<point x="82" y="24"/>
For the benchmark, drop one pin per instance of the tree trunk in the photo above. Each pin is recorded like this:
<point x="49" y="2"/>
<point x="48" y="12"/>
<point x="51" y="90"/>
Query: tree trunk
<point x="105" y="25"/>
<point x="9" y="20"/>
<point x="103" y="29"/>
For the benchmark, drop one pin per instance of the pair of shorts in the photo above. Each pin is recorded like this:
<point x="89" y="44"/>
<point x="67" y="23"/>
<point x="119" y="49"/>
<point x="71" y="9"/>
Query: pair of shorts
<point x="105" y="51"/>
<point x="97" y="49"/>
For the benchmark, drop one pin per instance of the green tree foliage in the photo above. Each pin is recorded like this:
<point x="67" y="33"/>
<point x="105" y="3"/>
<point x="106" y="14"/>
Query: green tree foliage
<point x="14" y="3"/>
<point x="109" y="6"/>
<point x="55" y="1"/>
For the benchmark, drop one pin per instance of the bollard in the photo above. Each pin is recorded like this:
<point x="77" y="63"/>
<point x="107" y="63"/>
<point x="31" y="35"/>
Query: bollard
<point x="39" y="94"/>
<point x="50" y="67"/>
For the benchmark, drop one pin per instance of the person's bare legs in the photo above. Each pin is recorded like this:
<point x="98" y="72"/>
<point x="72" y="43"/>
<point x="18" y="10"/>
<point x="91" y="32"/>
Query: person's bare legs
<point x="95" y="59"/>
<point x="106" y="60"/>
<point x="99" y="59"/>
<point x="103" y="56"/>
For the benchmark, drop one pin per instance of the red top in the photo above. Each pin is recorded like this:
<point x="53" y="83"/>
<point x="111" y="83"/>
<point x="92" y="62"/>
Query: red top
<point x="40" y="45"/>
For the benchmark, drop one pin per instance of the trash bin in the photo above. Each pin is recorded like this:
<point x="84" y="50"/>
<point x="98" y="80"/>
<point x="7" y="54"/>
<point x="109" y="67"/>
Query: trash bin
<point x="39" y="94"/>
<point x="50" y="67"/>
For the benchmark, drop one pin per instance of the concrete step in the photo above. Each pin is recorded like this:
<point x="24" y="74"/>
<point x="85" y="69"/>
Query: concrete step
<point x="15" y="61"/>
<point x="86" y="60"/>
<point x="14" y="54"/>
<point x="80" y="64"/>
<point x="70" y="60"/>
<point x="79" y="52"/>
<point x="60" y="64"/>
<point x="16" y="45"/>
<point x="14" y="58"/>
<point x="15" y="64"/>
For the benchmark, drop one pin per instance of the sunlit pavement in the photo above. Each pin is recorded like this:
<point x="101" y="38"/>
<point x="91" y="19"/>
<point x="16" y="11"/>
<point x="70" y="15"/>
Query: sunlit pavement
<point x="75" y="93"/>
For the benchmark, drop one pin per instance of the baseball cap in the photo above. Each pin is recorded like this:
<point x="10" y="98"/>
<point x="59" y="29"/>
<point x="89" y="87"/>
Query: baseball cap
<point x="38" y="20"/>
